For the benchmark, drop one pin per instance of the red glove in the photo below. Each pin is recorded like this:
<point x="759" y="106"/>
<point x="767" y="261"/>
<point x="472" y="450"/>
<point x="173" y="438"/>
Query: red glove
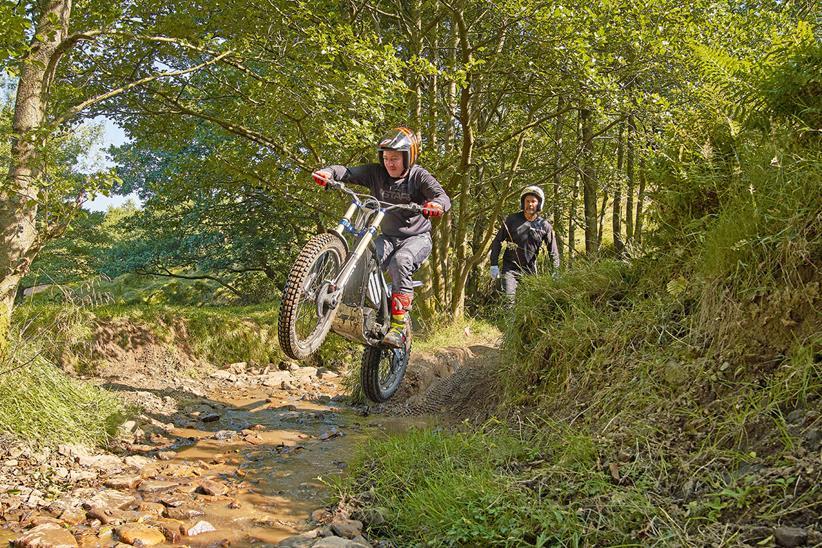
<point x="432" y="209"/>
<point x="321" y="177"/>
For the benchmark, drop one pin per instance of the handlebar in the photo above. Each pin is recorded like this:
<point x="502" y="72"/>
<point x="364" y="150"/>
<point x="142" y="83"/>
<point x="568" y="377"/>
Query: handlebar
<point x="364" y="200"/>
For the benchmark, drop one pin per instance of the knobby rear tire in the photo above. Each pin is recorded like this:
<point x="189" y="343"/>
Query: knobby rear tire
<point x="291" y="341"/>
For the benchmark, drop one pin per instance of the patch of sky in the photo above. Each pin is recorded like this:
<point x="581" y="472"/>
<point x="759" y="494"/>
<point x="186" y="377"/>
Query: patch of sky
<point x="97" y="159"/>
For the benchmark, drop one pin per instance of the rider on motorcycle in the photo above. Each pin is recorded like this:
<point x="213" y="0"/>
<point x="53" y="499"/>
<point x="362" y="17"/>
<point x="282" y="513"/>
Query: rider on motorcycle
<point x="405" y="241"/>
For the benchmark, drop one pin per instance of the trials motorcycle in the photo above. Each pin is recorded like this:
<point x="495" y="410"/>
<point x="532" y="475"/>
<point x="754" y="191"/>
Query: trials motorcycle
<point x="337" y="285"/>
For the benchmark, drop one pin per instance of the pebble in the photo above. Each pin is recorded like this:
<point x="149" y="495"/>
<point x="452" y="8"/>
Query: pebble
<point x="790" y="536"/>
<point x="348" y="528"/>
<point x="199" y="528"/>
<point x="135" y="533"/>
<point x="213" y="488"/>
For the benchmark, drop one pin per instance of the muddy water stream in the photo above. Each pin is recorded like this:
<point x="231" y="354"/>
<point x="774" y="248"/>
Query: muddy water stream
<point x="241" y="457"/>
<point x="277" y="468"/>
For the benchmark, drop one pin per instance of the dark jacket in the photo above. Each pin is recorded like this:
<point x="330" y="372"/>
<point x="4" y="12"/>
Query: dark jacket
<point x="418" y="186"/>
<point x="525" y="239"/>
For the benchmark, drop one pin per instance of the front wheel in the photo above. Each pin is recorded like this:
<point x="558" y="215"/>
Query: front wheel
<point x="304" y="320"/>
<point x="383" y="369"/>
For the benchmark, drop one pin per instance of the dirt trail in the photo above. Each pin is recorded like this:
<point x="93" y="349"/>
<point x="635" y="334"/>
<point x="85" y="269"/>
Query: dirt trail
<point x="246" y="452"/>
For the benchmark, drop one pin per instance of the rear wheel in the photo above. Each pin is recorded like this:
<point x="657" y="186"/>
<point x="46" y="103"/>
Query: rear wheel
<point x="383" y="369"/>
<point x="304" y="319"/>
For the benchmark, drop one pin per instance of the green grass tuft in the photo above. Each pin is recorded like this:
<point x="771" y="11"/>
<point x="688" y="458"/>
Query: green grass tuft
<point x="40" y="402"/>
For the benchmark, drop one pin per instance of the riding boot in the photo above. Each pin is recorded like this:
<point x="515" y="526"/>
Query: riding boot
<point x="400" y="305"/>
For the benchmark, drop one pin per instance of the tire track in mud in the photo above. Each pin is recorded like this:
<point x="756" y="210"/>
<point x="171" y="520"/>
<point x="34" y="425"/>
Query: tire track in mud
<point x="452" y="384"/>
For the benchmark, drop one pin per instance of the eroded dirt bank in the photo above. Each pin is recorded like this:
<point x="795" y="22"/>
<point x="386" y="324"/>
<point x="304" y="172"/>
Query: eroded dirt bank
<point x="239" y="458"/>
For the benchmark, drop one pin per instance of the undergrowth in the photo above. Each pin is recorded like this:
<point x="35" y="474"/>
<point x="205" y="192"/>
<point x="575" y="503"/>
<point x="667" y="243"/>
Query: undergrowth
<point x="499" y="487"/>
<point x="39" y="402"/>
<point x="76" y="336"/>
<point x="669" y="399"/>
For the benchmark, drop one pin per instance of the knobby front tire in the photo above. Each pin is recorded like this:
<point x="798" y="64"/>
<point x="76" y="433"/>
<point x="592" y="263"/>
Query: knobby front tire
<point x="382" y="370"/>
<point x="302" y="328"/>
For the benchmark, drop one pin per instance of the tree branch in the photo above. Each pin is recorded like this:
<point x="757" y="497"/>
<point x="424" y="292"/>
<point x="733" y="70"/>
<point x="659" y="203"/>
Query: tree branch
<point x="242" y="131"/>
<point x="169" y="274"/>
<point x="113" y="93"/>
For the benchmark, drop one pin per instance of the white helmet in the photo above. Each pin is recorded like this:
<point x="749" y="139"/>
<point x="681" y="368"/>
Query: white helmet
<point x="535" y="191"/>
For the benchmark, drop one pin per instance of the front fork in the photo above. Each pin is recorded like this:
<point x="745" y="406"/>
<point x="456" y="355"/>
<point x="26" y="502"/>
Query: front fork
<point x="336" y="287"/>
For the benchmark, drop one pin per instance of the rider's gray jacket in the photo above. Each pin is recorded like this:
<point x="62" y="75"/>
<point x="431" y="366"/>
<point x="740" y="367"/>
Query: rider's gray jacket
<point x="418" y="186"/>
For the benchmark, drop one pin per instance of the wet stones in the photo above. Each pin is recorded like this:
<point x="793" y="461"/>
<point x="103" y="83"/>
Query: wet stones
<point x="212" y="488"/>
<point x="326" y="374"/>
<point x="156" y="486"/>
<point x="371" y="516"/>
<point x="137" y="461"/>
<point x="123" y="483"/>
<point x="334" y="432"/>
<point x="337" y="542"/>
<point x="146" y="535"/>
<point x="73" y="515"/>
<point x="253" y="439"/>
<point x="199" y="528"/>
<point x="304" y="372"/>
<point x="345" y="533"/>
<point x="225" y="435"/>
<point x="277" y="378"/>
<point x="182" y="513"/>
<point x="321" y="515"/>
<point x="151" y="508"/>
<point x="110" y="498"/>
<point x="303" y="540"/>
<point x="107" y="463"/>
<point x="223" y="375"/>
<point x="172" y="529"/>
<point x="347" y="528"/>
<point x="47" y="535"/>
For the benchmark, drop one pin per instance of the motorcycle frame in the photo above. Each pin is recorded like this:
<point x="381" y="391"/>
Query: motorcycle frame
<point x="346" y="320"/>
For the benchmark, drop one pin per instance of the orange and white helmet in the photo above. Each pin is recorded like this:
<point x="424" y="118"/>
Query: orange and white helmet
<point x="401" y="139"/>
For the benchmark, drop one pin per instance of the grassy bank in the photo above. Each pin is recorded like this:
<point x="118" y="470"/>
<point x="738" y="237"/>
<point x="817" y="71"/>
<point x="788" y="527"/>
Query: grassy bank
<point x="624" y="424"/>
<point x="39" y="402"/>
<point x="669" y="399"/>
<point x="78" y="336"/>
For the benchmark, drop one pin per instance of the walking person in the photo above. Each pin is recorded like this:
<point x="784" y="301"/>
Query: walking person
<point x="524" y="233"/>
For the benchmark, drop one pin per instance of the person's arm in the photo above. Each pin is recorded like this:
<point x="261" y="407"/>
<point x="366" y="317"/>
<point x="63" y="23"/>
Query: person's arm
<point x="356" y="175"/>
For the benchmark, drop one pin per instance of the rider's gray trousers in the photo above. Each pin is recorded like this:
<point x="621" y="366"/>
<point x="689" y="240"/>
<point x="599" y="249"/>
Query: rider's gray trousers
<point x="510" y="281"/>
<point x="402" y="256"/>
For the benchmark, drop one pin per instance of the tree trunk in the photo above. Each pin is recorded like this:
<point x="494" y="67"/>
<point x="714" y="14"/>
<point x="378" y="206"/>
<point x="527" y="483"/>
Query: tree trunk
<point x="602" y="209"/>
<point x="639" y="202"/>
<point x="589" y="185"/>
<point x="433" y="110"/>
<point x="572" y="218"/>
<point x="629" y="172"/>
<point x="415" y="87"/>
<point x="572" y="209"/>
<point x="18" y="199"/>
<point x="557" y="205"/>
<point x="464" y="178"/>
<point x="616" y="220"/>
